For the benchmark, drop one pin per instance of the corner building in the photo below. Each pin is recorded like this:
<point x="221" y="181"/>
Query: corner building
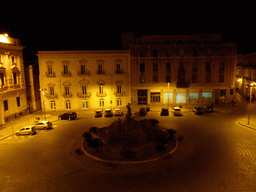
<point x="12" y="79"/>
<point x="83" y="80"/>
<point x="182" y="70"/>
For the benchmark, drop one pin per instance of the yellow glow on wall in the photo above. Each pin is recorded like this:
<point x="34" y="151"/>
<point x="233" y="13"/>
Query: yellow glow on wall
<point x="4" y="38"/>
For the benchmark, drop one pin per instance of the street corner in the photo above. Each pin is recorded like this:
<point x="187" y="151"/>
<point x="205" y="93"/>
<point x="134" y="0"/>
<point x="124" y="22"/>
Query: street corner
<point x="245" y="123"/>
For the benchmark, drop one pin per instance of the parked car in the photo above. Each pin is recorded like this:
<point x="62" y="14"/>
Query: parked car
<point x="67" y="116"/>
<point x="43" y="125"/>
<point x="98" y="113"/>
<point x="28" y="130"/>
<point x="143" y="111"/>
<point x="164" y="112"/>
<point x="208" y="109"/>
<point x="118" y="112"/>
<point x="198" y="110"/>
<point x="108" y="113"/>
<point x="176" y="111"/>
<point x="74" y="114"/>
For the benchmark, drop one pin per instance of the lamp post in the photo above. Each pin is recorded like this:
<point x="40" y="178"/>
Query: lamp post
<point x="44" y="116"/>
<point x="249" y="112"/>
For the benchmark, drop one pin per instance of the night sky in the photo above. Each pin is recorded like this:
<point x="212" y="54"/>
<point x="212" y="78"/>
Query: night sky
<point x="80" y="27"/>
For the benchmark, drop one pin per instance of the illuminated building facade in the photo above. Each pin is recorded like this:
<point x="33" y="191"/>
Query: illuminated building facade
<point x="182" y="70"/>
<point x="83" y="80"/>
<point x="246" y="73"/>
<point x="12" y="82"/>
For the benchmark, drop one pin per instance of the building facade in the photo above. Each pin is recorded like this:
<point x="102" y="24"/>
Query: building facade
<point x="246" y="74"/>
<point x="12" y="81"/>
<point x="182" y="70"/>
<point x="83" y="80"/>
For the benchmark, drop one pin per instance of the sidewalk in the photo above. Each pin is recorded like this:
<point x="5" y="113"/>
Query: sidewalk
<point x="11" y="127"/>
<point x="244" y="122"/>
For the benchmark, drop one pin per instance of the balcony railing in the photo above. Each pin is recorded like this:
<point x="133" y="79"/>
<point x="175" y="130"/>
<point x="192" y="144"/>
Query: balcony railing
<point x="83" y="73"/>
<point x="119" y="72"/>
<point x="49" y="96"/>
<point x="122" y="94"/>
<point x="100" y="72"/>
<point x="66" y="74"/>
<point x="67" y="95"/>
<point x="81" y="95"/>
<point x="104" y="94"/>
<point x="50" y="74"/>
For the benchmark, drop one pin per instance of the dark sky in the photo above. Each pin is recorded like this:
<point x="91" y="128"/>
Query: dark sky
<point x="81" y="27"/>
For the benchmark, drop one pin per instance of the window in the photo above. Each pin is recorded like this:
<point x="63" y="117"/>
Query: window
<point x="1" y="79"/>
<point x="119" y="102"/>
<point x="207" y="97"/>
<point x="168" y="67"/>
<point x="208" y="73"/>
<point x="155" y="78"/>
<point x="82" y="69"/>
<point x="155" y="53"/>
<point x="50" y="69"/>
<point x="142" y="78"/>
<point x="222" y="92"/>
<point x="155" y="97"/>
<point x="66" y="90"/>
<point x="193" y="97"/>
<point x="5" y="105"/>
<point x="51" y="90"/>
<point x="119" y="89"/>
<point x="155" y="67"/>
<point x="101" y="103"/>
<point x="68" y="105"/>
<point x="194" y="72"/>
<point x="100" y="68"/>
<point x="13" y="60"/>
<point x="18" y="101"/>
<point x="231" y="91"/>
<point x="118" y="68"/>
<point x="53" y="105"/>
<point x="221" y="72"/>
<point x="84" y="104"/>
<point x="101" y="89"/>
<point x="65" y="69"/>
<point x="168" y="79"/>
<point x="142" y="97"/>
<point x="15" y="78"/>
<point x="142" y="67"/>
<point x="84" y="90"/>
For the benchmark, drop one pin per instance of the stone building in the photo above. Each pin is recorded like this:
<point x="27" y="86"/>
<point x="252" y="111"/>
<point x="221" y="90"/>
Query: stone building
<point x="83" y="80"/>
<point x="182" y="70"/>
<point x="12" y="81"/>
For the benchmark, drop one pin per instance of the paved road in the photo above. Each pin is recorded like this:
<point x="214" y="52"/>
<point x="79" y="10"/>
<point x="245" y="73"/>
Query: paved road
<point x="216" y="154"/>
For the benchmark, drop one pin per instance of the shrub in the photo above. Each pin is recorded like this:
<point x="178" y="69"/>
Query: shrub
<point x="160" y="148"/>
<point x="93" y="129"/>
<point x="129" y="154"/>
<point x="95" y="143"/>
<point x="87" y="136"/>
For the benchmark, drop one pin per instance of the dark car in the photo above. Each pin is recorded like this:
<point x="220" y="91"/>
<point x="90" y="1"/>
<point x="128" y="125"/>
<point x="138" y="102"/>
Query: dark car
<point x="108" y="113"/>
<point x="208" y="109"/>
<point x="164" y="112"/>
<point x="74" y="114"/>
<point x="198" y="110"/>
<point x="67" y="116"/>
<point x="98" y="113"/>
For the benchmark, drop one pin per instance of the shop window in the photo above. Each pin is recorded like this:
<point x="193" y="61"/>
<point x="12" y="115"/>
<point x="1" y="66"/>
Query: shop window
<point x="155" y="97"/>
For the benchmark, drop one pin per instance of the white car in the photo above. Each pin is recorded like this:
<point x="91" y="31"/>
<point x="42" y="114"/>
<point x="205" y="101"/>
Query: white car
<point x="118" y="112"/>
<point x="28" y="130"/>
<point x="43" y="125"/>
<point x="176" y="111"/>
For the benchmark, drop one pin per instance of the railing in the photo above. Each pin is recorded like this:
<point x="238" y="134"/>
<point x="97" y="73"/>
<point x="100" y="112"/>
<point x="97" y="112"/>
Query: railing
<point x="123" y="93"/>
<point x="81" y="95"/>
<point x="49" y="96"/>
<point x="100" y="72"/>
<point x="50" y="74"/>
<point x="66" y="74"/>
<point x="119" y="72"/>
<point x="83" y="73"/>
<point x="104" y="94"/>
<point x="67" y="95"/>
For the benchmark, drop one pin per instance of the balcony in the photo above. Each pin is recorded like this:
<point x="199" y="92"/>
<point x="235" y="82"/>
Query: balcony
<point x="104" y="94"/>
<point x="119" y="72"/>
<point x="83" y="73"/>
<point x="66" y="74"/>
<point x="67" y="95"/>
<point x="182" y="85"/>
<point x="81" y="95"/>
<point x="100" y="72"/>
<point x="50" y="74"/>
<point x="122" y="94"/>
<point x="50" y="96"/>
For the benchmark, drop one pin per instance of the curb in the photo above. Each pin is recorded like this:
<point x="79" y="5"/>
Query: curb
<point x="247" y="126"/>
<point x="126" y="162"/>
<point x="6" y="137"/>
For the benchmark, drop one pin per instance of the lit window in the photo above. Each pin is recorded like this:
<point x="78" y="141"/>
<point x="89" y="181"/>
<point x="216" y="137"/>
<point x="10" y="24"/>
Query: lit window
<point x="85" y="104"/>
<point x="155" y="97"/>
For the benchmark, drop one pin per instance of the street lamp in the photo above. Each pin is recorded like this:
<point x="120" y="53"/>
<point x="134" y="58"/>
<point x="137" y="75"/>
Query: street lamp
<point x="249" y="112"/>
